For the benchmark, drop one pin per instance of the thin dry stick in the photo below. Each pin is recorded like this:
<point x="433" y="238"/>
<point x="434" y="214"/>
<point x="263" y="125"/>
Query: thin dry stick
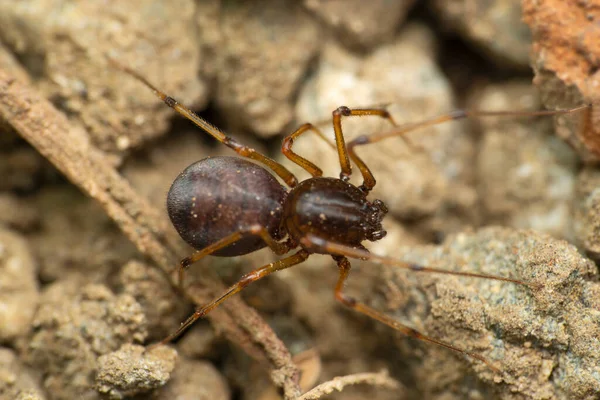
<point x="381" y="379"/>
<point x="49" y="131"/>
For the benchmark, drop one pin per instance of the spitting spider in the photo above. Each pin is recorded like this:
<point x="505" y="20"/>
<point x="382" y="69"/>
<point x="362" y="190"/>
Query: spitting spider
<point x="229" y="206"/>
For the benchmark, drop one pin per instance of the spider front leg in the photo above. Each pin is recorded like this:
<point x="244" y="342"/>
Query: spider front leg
<point x="344" y="154"/>
<point x="240" y="149"/>
<point x="400" y="131"/>
<point x="247" y="279"/>
<point x="286" y="149"/>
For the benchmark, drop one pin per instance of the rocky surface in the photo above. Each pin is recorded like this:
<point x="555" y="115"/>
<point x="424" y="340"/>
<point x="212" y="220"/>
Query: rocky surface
<point x="495" y="27"/>
<point x="64" y="47"/>
<point x="542" y="338"/>
<point x="72" y="328"/>
<point x="525" y="174"/>
<point x="565" y="58"/>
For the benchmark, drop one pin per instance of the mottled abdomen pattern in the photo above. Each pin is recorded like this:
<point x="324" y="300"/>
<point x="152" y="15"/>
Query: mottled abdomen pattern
<point x="217" y="196"/>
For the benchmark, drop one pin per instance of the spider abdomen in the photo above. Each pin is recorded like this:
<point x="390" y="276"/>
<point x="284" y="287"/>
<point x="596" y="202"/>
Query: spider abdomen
<point x="218" y="196"/>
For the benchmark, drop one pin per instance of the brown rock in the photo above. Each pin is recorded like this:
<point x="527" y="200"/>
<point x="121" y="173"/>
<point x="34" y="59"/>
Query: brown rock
<point x="565" y="59"/>
<point x="526" y="175"/>
<point x="73" y="327"/>
<point x="361" y="24"/>
<point x="132" y="370"/>
<point x="264" y="53"/>
<point x="495" y="27"/>
<point x="64" y="46"/>
<point x="541" y="339"/>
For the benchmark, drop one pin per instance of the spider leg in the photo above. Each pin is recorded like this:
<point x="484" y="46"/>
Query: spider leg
<point x="255" y="230"/>
<point x="350" y="302"/>
<point x="400" y="131"/>
<point x="247" y="279"/>
<point x="212" y="130"/>
<point x="286" y="149"/>
<point x="343" y="151"/>
<point x="312" y="242"/>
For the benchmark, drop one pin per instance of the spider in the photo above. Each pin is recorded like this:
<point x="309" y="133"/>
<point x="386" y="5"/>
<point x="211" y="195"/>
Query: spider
<point x="229" y="206"/>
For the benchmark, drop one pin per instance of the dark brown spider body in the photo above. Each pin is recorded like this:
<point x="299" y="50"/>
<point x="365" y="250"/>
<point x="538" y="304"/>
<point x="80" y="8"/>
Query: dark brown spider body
<point x="228" y="206"/>
<point x="218" y="196"/>
<point x="333" y="209"/>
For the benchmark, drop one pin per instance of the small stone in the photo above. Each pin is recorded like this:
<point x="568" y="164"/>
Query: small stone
<point x="361" y="24"/>
<point x="259" y="65"/>
<point x="16" y="380"/>
<point x="494" y="26"/>
<point x="19" y="292"/>
<point x="132" y="370"/>
<point x="565" y="59"/>
<point x="156" y="296"/>
<point x="194" y="379"/>
<point x="73" y="326"/>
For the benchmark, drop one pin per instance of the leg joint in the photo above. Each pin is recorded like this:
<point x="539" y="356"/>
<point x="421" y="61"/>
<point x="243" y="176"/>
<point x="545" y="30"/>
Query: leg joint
<point x="186" y="262"/>
<point x="342" y="110"/>
<point x="171" y="102"/>
<point x="345" y="299"/>
<point x="248" y="279"/>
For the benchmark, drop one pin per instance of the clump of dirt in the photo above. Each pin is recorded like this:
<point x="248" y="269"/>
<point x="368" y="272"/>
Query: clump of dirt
<point x="62" y="48"/>
<point x="73" y="327"/>
<point x="525" y="174"/>
<point x="537" y="333"/>
<point x="16" y="380"/>
<point x="565" y="58"/>
<point x="19" y="287"/>
<point x="131" y="370"/>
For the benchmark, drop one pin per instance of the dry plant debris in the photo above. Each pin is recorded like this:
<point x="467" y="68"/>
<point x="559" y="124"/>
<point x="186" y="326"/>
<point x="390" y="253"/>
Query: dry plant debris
<point x="339" y="383"/>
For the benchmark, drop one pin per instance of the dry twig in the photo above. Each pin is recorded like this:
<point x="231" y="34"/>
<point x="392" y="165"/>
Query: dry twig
<point x="49" y="131"/>
<point x="381" y="379"/>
